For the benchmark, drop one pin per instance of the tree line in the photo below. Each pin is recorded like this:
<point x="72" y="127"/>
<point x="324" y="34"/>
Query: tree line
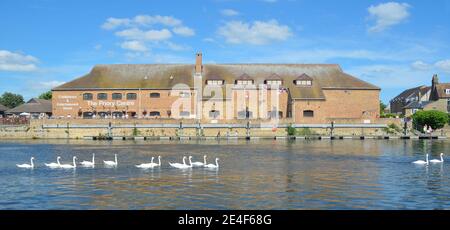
<point x="12" y="100"/>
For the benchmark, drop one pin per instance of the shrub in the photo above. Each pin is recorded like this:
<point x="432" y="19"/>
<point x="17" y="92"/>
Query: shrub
<point x="291" y="130"/>
<point x="435" y="119"/>
<point x="305" y="132"/>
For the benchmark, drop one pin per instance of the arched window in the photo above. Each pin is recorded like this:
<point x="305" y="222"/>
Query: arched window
<point x="214" y="113"/>
<point x="155" y="95"/>
<point x="308" y="113"/>
<point x="131" y="96"/>
<point x="102" y="96"/>
<point x="154" y="114"/>
<point x="185" y="114"/>
<point x="117" y="96"/>
<point x="87" y="96"/>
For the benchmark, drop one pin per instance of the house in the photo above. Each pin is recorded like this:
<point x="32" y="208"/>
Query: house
<point x="34" y="107"/>
<point x="410" y="98"/>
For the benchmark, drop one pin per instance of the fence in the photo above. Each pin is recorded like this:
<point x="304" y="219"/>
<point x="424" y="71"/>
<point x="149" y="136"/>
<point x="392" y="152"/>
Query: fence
<point x="14" y="121"/>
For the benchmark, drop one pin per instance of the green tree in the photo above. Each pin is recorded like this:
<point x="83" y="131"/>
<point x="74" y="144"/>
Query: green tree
<point x="382" y="107"/>
<point x="11" y="100"/>
<point x="46" y="96"/>
<point x="435" y="119"/>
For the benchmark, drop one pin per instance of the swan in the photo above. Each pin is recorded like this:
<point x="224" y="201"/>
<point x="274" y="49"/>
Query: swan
<point x="111" y="163"/>
<point x="213" y="165"/>
<point x="181" y="166"/>
<point x="198" y="163"/>
<point x="28" y="166"/>
<point x="147" y="165"/>
<point x="53" y="164"/>
<point x="421" y="162"/>
<point x="89" y="163"/>
<point x="69" y="166"/>
<point x="438" y="161"/>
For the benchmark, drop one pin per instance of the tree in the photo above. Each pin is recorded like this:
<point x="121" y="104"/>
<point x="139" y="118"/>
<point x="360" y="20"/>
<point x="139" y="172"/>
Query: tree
<point x="11" y="100"/>
<point x="382" y="107"/>
<point x="46" y="96"/>
<point x="435" y="119"/>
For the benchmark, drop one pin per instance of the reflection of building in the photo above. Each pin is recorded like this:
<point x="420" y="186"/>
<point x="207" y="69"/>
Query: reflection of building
<point x="35" y="107"/>
<point x="436" y="97"/>
<point x="308" y="93"/>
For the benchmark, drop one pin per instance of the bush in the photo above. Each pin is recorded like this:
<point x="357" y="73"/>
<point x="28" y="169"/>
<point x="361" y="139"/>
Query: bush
<point x="392" y="129"/>
<point x="305" y="132"/>
<point x="435" y="119"/>
<point x="291" y="130"/>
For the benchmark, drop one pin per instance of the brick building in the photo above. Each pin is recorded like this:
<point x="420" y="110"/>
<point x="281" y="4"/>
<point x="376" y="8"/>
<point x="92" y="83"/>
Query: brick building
<point x="307" y="93"/>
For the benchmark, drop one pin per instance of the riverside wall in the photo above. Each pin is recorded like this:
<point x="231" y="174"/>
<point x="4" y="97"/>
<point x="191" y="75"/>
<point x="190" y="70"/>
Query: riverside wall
<point x="85" y="128"/>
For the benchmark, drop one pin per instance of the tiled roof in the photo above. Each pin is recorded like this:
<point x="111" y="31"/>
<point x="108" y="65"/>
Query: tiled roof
<point x="3" y="108"/>
<point x="34" y="105"/>
<point x="165" y="76"/>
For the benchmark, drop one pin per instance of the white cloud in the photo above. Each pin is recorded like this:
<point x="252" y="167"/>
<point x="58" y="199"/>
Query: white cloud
<point x="140" y="20"/>
<point x="387" y="15"/>
<point x="420" y="65"/>
<point x="149" y="35"/>
<point x="229" y="12"/>
<point x="184" y="31"/>
<point x="17" y="62"/>
<point x="443" y="65"/>
<point x="255" y="33"/>
<point x="50" y="84"/>
<point x="113" y="23"/>
<point x="176" y="47"/>
<point x="134" y="46"/>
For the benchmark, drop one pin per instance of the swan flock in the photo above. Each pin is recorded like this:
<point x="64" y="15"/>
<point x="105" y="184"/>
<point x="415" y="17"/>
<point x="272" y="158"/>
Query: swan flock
<point x="152" y="164"/>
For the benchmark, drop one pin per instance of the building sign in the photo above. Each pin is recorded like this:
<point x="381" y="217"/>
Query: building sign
<point x="111" y="103"/>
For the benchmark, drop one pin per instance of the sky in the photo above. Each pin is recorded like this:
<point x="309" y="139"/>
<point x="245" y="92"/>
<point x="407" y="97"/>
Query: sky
<point x="392" y="44"/>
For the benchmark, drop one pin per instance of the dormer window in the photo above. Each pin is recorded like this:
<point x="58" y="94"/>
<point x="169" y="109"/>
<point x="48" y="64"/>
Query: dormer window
<point x="244" y="82"/>
<point x="274" y="82"/>
<point x="303" y="80"/>
<point x="447" y="91"/>
<point x="214" y="82"/>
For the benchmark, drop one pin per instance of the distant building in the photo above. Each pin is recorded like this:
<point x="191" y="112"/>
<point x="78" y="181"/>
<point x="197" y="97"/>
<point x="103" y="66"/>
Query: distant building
<point x="409" y="98"/>
<point x="35" y="107"/>
<point x="3" y="110"/>
<point x="306" y="93"/>
<point x="436" y="97"/>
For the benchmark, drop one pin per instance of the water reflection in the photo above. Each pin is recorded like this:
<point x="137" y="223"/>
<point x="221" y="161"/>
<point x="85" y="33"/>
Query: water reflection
<point x="255" y="174"/>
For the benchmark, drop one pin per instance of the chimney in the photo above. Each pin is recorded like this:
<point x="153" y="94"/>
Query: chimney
<point x="198" y="63"/>
<point x="435" y="80"/>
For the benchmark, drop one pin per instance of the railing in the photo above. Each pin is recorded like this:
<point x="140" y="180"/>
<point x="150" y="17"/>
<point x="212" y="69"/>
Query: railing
<point x="14" y="121"/>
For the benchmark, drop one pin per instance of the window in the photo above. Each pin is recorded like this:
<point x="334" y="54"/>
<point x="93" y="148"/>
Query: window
<point x="185" y="94"/>
<point x="117" y="96"/>
<point x="87" y="96"/>
<point x="131" y="96"/>
<point x="303" y="82"/>
<point x="274" y="114"/>
<point x="185" y="114"/>
<point x="155" y="95"/>
<point x="102" y="96"/>
<point x="245" y="114"/>
<point x="214" y="114"/>
<point x="308" y="113"/>
<point x="154" y="114"/>
<point x="447" y="91"/>
<point x="274" y="82"/>
<point x="214" y="82"/>
<point x="244" y="82"/>
<point x="88" y="115"/>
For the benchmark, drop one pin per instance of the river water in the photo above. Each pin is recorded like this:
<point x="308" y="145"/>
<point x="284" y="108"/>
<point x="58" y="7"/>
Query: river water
<point x="257" y="174"/>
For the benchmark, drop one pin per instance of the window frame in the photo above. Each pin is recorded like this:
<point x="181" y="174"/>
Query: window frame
<point x="131" y="99"/>
<point x="105" y="94"/>
<point x="88" y="99"/>
<point x="113" y="98"/>
<point x="152" y="95"/>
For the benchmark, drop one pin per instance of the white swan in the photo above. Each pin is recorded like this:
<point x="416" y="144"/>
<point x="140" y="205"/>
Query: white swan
<point x="181" y="166"/>
<point x="69" y="166"/>
<point x="213" y="165"/>
<point x="438" y="161"/>
<point x="197" y="163"/>
<point x="147" y="165"/>
<point x="89" y="163"/>
<point x="53" y="164"/>
<point x="421" y="162"/>
<point x="28" y="166"/>
<point x="111" y="163"/>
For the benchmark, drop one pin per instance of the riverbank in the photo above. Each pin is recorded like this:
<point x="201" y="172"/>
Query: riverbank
<point x="179" y="130"/>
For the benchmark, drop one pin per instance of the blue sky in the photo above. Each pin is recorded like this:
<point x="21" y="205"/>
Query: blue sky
<point x="392" y="44"/>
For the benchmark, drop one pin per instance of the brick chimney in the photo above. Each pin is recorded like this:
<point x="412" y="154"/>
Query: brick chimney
<point x="434" y="96"/>
<point x="198" y="63"/>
